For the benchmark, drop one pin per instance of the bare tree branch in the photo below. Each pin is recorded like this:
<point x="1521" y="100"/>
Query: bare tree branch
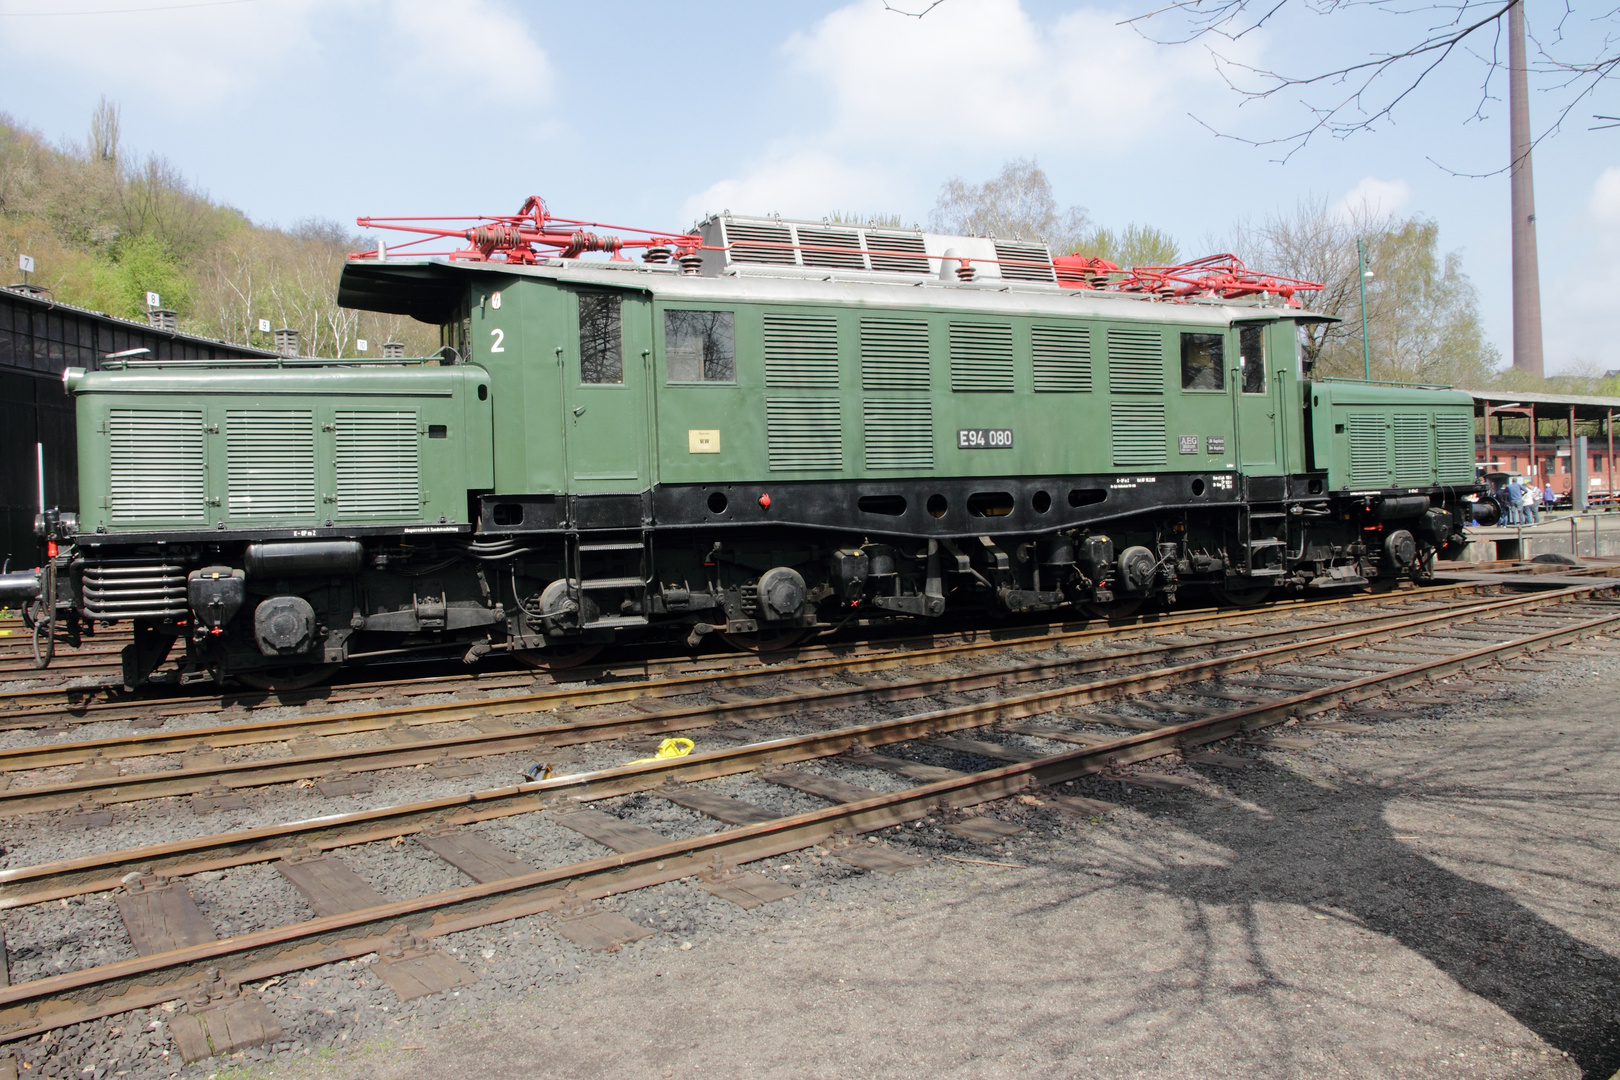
<point x="912" y="14"/>
<point x="1359" y="96"/>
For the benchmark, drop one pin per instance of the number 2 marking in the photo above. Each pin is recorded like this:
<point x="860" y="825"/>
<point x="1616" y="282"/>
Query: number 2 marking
<point x="499" y="335"/>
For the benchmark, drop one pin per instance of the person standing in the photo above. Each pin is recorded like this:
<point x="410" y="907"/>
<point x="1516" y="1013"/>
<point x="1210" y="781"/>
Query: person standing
<point x="1515" y="501"/>
<point x="1532" y="502"/>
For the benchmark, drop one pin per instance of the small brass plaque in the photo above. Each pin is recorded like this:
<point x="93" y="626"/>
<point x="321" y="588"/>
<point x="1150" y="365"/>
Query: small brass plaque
<point x="703" y="441"/>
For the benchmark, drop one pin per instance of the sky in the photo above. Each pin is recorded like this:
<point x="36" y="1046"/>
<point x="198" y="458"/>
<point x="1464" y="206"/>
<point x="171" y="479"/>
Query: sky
<point x="652" y="114"/>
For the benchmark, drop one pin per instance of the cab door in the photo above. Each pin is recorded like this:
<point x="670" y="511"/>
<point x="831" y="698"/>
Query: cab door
<point x="605" y="394"/>
<point x="1257" y="391"/>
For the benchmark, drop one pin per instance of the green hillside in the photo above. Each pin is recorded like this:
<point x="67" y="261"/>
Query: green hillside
<point x="105" y="227"/>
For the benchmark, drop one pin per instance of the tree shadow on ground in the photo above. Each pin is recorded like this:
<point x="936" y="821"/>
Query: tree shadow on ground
<point x="1332" y="848"/>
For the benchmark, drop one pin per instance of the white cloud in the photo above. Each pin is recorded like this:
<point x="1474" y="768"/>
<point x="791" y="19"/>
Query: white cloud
<point x="190" y="57"/>
<point x="803" y="184"/>
<point x="1604" y="204"/>
<point x="984" y="75"/>
<point x="1373" y="198"/>
<point x="472" y="40"/>
<point x="205" y="58"/>
<point x="972" y="82"/>
<point x="1577" y="293"/>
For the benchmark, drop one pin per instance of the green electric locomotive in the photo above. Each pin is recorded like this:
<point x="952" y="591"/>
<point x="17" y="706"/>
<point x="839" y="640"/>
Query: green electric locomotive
<point x="757" y="429"/>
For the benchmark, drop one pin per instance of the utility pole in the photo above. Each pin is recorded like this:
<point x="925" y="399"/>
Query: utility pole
<point x="1362" y="274"/>
<point x="1526" y="275"/>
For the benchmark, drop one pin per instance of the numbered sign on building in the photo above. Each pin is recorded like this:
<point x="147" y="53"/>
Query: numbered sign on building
<point x="153" y="300"/>
<point x="25" y="263"/>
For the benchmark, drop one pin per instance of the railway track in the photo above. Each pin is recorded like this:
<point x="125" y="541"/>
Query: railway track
<point x="1037" y="728"/>
<point x="193" y="761"/>
<point x="100" y="672"/>
<point x="56" y="706"/>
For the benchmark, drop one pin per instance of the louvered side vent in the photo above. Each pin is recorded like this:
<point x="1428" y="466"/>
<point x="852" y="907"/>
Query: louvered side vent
<point x="1138" y="433"/>
<point x="801" y="350"/>
<point x="898" y="253"/>
<point x="771" y="245"/>
<point x="1454" y="449"/>
<point x="1025" y="262"/>
<point x="270" y="463"/>
<point x="1135" y="361"/>
<point x="981" y="358"/>
<point x="1369" y="451"/>
<point x="377" y="470"/>
<point x="803" y="434"/>
<point x="835" y="249"/>
<point x="1062" y="356"/>
<point x="1413" y="456"/>
<point x="899" y="434"/>
<point x="894" y="354"/>
<point x="156" y="466"/>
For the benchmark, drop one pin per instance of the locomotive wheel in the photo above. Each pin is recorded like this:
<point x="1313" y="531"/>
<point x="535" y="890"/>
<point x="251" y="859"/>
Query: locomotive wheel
<point x="1119" y="609"/>
<point x="1251" y="596"/>
<point x="281" y="680"/>
<point x="44" y="641"/>
<point x="766" y="641"/>
<point x="558" y="659"/>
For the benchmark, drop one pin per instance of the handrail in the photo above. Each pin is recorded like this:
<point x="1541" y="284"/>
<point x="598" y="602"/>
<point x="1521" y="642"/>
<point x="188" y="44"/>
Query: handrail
<point x="272" y="362"/>
<point x="1385" y="382"/>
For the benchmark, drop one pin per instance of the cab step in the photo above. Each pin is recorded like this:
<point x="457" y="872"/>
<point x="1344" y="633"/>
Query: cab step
<point x="611" y="622"/>
<point x="613" y="583"/>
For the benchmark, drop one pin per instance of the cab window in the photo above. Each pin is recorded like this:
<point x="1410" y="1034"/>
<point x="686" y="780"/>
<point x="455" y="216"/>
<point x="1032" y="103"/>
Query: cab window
<point x="700" y="346"/>
<point x="1203" y="362"/>
<point x="1252" y="347"/>
<point x="601" y="339"/>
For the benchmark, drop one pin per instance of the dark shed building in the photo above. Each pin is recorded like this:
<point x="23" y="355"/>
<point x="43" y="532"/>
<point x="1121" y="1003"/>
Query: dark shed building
<point x="38" y="339"/>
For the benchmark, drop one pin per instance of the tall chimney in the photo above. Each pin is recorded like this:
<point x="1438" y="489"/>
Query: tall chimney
<point x="1526" y="275"/>
<point x="287" y="341"/>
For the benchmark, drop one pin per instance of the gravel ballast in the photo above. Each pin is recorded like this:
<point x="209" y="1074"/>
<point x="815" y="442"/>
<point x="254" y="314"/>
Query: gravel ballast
<point x="1434" y="898"/>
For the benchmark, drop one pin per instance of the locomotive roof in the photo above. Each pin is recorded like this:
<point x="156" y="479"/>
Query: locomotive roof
<point x="433" y="290"/>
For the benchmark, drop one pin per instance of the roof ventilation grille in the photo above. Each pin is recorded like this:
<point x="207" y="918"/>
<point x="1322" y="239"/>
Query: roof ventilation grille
<point x="834" y="249"/>
<point x="1025" y="262"/>
<point x="900" y="253"/>
<point x="770" y="245"/>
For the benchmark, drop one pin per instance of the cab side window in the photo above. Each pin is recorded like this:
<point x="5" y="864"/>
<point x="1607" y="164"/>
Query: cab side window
<point x="1203" y="361"/>
<point x="700" y="346"/>
<point x="601" y="339"/>
<point x="1252" y="347"/>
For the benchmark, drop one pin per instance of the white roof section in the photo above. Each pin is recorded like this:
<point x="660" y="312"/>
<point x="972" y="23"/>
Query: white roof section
<point x="782" y="247"/>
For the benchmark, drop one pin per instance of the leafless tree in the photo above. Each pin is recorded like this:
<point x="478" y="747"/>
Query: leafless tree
<point x="104" y="125"/>
<point x="1576" y="55"/>
<point x="1422" y="311"/>
<point x="1018" y="202"/>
